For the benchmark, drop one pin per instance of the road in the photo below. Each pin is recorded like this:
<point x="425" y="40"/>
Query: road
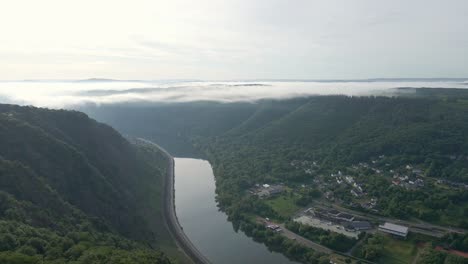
<point x="299" y="239"/>
<point x="172" y="223"/>
<point x="303" y="241"/>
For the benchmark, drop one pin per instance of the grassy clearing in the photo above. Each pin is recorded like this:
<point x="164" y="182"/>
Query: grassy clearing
<point x="398" y="251"/>
<point x="339" y="259"/>
<point x="403" y="251"/>
<point x="284" y="205"/>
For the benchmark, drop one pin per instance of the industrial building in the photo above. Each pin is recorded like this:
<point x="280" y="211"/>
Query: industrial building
<point x="394" y="229"/>
<point x="358" y="226"/>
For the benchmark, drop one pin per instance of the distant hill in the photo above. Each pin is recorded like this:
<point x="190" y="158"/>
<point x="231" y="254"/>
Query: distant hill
<point x="74" y="190"/>
<point x="254" y="142"/>
<point x="94" y="80"/>
<point x="430" y="124"/>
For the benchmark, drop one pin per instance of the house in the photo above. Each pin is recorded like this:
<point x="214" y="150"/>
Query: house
<point x="263" y="193"/>
<point x="275" y="228"/>
<point x="358" y="187"/>
<point x="329" y="195"/>
<point x="333" y="212"/>
<point x="369" y="205"/>
<point x="364" y="164"/>
<point x="419" y="182"/>
<point x="275" y="190"/>
<point x="269" y="190"/>
<point x="397" y="230"/>
<point x="349" y="179"/>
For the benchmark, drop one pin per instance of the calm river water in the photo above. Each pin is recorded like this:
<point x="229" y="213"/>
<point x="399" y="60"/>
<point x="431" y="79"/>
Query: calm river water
<point x="205" y="225"/>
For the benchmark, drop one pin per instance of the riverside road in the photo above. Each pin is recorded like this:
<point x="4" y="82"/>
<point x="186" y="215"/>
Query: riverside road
<point x="170" y="214"/>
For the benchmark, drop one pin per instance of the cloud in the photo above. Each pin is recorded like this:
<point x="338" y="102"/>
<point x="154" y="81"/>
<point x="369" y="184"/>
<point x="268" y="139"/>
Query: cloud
<point x="60" y="94"/>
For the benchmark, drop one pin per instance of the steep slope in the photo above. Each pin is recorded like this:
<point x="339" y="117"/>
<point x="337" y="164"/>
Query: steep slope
<point x="180" y="122"/>
<point x="64" y="176"/>
<point x="337" y="130"/>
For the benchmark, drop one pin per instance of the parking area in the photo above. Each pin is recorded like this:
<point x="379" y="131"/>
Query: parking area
<point x="326" y="225"/>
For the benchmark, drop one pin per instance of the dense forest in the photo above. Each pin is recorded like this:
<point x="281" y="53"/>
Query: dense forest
<point x="424" y="127"/>
<point x="73" y="190"/>
<point x="335" y="130"/>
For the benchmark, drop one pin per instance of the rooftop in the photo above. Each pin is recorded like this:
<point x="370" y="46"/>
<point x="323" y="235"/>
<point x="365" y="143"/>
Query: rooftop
<point x="361" y="225"/>
<point x="394" y="227"/>
<point x="333" y="212"/>
<point x="345" y="215"/>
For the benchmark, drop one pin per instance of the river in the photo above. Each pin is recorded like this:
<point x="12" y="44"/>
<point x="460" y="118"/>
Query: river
<point x="205" y="225"/>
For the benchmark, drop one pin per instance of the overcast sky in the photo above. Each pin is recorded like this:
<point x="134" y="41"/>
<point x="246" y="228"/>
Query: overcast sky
<point x="244" y="39"/>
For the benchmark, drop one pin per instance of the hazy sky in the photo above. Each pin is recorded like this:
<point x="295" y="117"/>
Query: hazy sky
<point x="236" y="39"/>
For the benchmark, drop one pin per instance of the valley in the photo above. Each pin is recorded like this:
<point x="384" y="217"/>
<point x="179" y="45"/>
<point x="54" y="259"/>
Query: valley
<point x="379" y="159"/>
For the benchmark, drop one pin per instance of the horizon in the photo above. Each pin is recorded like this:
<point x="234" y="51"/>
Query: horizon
<point x="104" y="79"/>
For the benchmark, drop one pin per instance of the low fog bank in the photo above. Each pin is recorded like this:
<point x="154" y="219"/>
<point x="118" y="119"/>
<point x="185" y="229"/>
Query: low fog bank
<point x="68" y="94"/>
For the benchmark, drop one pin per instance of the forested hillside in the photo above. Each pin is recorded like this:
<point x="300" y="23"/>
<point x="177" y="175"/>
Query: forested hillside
<point x="428" y="126"/>
<point x="74" y="190"/>
<point x="249" y="143"/>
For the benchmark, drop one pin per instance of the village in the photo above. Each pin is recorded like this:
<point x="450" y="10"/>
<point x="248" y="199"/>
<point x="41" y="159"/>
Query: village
<point x="346" y="207"/>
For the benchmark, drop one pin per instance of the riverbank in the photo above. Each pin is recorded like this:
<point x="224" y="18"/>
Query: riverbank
<point x="170" y="217"/>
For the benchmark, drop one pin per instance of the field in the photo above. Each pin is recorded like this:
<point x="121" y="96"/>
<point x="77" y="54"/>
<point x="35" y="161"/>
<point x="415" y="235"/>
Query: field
<point x="398" y="251"/>
<point x="284" y="205"/>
